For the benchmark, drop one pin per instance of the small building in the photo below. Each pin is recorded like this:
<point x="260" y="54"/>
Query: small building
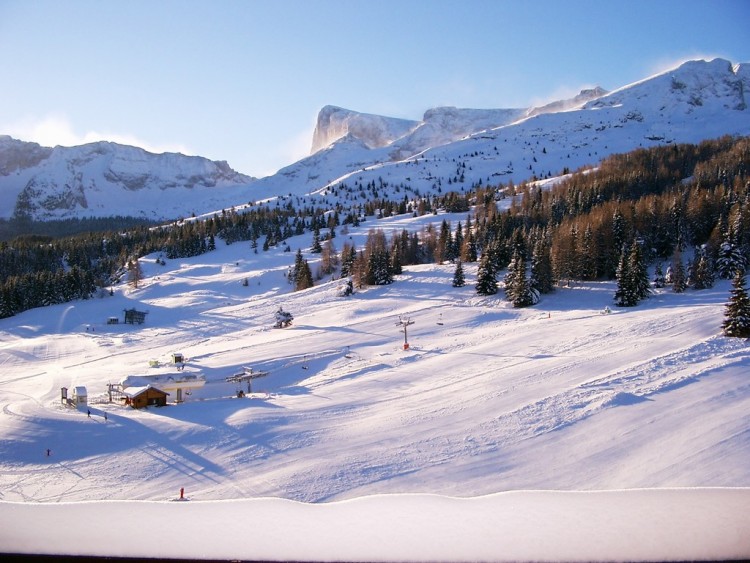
<point x="133" y="316"/>
<point x="178" y="358"/>
<point x="147" y="396"/>
<point x="178" y="385"/>
<point x="80" y="396"/>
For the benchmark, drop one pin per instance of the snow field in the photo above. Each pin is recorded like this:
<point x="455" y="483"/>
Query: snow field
<point x="488" y="399"/>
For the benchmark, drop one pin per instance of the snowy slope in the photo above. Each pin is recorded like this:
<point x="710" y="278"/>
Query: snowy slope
<point x="486" y="399"/>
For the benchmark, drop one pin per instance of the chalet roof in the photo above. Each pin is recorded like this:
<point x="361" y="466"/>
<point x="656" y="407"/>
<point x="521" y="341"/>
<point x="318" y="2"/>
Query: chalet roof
<point x="133" y="392"/>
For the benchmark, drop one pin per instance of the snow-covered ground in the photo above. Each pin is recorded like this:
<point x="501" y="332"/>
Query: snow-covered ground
<point x="423" y="453"/>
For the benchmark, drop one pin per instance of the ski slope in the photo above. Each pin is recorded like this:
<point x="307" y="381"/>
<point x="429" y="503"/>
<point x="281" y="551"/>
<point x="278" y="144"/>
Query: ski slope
<point x="486" y="400"/>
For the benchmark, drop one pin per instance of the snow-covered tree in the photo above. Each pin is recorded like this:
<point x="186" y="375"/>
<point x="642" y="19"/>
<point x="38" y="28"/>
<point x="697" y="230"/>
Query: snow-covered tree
<point x="659" y="279"/>
<point x="348" y="256"/>
<point x="316" y="247"/>
<point x="379" y="268"/>
<point x="730" y="260"/>
<point x="283" y="318"/>
<point x="486" y="281"/>
<point x="632" y="277"/>
<point x="737" y="312"/>
<point x="458" y="275"/>
<point x="346" y="288"/>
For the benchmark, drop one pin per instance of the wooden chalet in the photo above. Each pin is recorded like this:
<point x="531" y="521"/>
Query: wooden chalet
<point x="147" y="396"/>
<point x="133" y="316"/>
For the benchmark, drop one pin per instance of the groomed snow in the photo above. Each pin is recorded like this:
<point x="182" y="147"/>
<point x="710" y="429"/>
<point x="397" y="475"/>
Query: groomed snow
<point x="635" y="423"/>
<point x="634" y="525"/>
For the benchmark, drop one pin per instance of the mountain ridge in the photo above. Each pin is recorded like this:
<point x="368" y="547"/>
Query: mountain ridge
<point x="449" y="149"/>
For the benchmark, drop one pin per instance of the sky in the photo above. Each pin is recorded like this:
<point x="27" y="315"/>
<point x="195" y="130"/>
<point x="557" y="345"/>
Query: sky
<point x="243" y="81"/>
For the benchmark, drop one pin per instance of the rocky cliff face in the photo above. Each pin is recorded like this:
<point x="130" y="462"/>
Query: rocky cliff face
<point x="439" y="126"/>
<point x="374" y="131"/>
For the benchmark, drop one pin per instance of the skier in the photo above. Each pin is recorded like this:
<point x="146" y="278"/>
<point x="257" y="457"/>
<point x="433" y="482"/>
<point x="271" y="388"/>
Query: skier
<point x="88" y="413"/>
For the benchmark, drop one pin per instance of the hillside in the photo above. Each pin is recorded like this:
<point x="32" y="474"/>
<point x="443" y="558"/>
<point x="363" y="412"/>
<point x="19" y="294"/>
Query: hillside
<point x="488" y="398"/>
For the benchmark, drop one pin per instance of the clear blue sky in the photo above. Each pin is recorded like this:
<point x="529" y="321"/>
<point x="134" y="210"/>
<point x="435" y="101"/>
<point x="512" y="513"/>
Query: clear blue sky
<point x="243" y="81"/>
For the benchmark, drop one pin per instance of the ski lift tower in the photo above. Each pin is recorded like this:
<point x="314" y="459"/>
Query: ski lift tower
<point x="404" y="322"/>
<point x="246" y="376"/>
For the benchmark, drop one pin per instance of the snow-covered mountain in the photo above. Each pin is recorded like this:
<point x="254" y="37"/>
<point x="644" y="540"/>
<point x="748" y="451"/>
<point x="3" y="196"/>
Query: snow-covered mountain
<point x="695" y="101"/>
<point x="103" y="179"/>
<point x="449" y="149"/>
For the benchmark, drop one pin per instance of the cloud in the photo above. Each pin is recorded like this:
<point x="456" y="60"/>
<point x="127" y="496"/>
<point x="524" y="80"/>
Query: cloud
<point x="289" y="151"/>
<point x="56" y="129"/>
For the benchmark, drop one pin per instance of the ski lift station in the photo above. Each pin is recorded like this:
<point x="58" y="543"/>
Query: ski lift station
<point x="177" y="385"/>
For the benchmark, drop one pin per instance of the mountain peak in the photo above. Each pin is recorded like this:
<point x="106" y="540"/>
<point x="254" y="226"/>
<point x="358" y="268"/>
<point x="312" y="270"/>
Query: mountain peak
<point x="374" y="131"/>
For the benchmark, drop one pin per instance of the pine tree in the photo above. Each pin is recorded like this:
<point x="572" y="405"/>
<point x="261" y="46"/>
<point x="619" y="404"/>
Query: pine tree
<point x="304" y="278"/>
<point x="486" y="281"/>
<point x="458" y="275"/>
<point x="316" y="248"/>
<point x="678" y="276"/>
<point x="542" y="278"/>
<point x="378" y="270"/>
<point x="703" y="273"/>
<point x="659" y="280"/>
<point x="625" y="294"/>
<point x="587" y="256"/>
<point x="737" y="313"/>
<point x="730" y="259"/>
<point x="458" y="243"/>
<point x="639" y="273"/>
<point x="348" y="256"/>
<point x="395" y="263"/>
<point x="632" y="277"/>
<point x="519" y="291"/>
